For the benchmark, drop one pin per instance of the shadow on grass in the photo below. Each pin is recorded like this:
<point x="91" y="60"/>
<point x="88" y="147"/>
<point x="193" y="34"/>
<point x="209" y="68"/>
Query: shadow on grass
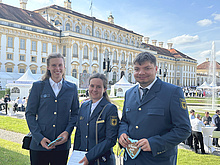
<point x="8" y="157"/>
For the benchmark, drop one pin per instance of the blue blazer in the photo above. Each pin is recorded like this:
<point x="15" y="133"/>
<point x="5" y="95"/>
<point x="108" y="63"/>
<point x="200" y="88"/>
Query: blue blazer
<point x="162" y="117"/>
<point x="54" y="114"/>
<point x="85" y="137"/>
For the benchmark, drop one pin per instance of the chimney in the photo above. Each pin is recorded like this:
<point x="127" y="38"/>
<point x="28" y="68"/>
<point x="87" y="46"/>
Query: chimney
<point x="160" y="44"/>
<point x="169" y="45"/>
<point x="207" y="59"/>
<point x="154" y="42"/>
<point x="67" y="4"/>
<point x="23" y="4"/>
<point x="111" y="18"/>
<point x="146" y="40"/>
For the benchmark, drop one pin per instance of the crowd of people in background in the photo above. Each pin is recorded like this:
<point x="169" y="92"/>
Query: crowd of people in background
<point x="18" y="104"/>
<point x="198" y="92"/>
<point x="197" y="122"/>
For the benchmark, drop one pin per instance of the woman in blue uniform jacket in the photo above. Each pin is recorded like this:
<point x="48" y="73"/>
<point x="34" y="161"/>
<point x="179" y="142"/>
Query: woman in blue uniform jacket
<point x="51" y="113"/>
<point x="97" y="125"/>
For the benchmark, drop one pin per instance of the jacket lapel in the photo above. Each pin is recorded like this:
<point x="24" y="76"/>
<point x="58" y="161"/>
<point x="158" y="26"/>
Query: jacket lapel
<point x="98" y="108"/>
<point x="152" y="92"/>
<point x="63" y="89"/>
<point x="48" y="89"/>
<point x="137" y="95"/>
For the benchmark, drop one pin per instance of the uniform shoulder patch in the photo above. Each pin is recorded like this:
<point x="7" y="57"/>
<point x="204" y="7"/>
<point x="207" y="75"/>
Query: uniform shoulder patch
<point x="183" y="104"/>
<point x="114" y="120"/>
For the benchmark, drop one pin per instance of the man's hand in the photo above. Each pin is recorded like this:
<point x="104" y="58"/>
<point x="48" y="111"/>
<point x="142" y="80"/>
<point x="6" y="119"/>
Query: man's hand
<point x="144" y="144"/>
<point x="65" y="136"/>
<point x="84" y="161"/>
<point x="123" y="140"/>
<point x="44" y="142"/>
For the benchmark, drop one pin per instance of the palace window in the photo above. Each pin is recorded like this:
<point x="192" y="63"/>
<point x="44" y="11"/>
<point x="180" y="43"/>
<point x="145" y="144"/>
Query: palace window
<point x="22" y="58"/>
<point x="97" y="34"/>
<point x="75" y="50"/>
<point x="21" y="70"/>
<point x="9" y="70"/>
<point x="44" y="60"/>
<point x="34" y="46"/>
<point x="44" y="47"/>
<point x="10" y="42"/>
<point x="77" y="29"/>
<point x="85" y="53"/>
<point x="54" y="48"/>
<point x="9" y="56"/>
<point x="33" y="59"/>
<point x="22" y="44"/>
<point x="67" y="27"/>
<point x="95" y="54"/>
<point x="74" y="73"/>
<point x="88" y="31"/>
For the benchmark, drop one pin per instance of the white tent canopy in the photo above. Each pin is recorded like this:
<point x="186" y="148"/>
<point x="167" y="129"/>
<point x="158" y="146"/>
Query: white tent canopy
<point x="204" y="85"/>
<point x="121" y="87"/>
<point x="21" y="87"/>
<point x="123" y="82"/>
<point x="27" y="78"/>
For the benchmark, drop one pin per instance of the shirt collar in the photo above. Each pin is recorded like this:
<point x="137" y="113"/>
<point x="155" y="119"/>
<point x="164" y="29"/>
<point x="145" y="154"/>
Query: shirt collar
<point x="52" y="82"/>
<point x="97" y="102"/>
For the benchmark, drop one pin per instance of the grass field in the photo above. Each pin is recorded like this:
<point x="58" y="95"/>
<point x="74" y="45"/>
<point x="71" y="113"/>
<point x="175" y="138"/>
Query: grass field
<point x="12" y="154"/>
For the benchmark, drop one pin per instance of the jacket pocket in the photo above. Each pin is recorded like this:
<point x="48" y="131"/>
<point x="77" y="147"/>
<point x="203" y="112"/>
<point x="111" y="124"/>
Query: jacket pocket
<point x="156" y="112"/>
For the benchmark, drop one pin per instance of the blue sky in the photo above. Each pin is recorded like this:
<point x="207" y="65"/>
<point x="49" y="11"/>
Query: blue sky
<point x="191" y="25"/>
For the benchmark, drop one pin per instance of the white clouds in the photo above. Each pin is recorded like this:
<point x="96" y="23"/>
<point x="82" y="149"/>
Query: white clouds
<point x="209" y="7"/>
<point x="216" y="17"/>
<point x="218" y="53"/>
<point x="184" y="39"/>
<point x="205" y="53"/>
<point x="204" y="22"/>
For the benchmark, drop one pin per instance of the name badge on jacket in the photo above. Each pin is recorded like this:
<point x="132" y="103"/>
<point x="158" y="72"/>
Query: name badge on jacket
<point x="45" y="95"/>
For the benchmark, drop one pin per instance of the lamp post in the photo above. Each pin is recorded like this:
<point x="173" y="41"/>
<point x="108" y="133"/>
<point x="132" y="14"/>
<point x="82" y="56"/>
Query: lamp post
<point x="163" y="71"/>
<point x="109" y="68"/>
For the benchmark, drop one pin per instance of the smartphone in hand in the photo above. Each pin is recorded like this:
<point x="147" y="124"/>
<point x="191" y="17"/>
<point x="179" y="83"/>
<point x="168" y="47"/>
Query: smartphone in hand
<point x="53" y="142"/>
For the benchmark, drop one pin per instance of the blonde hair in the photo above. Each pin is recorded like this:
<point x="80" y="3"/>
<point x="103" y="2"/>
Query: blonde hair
<point x="47" y="74"/>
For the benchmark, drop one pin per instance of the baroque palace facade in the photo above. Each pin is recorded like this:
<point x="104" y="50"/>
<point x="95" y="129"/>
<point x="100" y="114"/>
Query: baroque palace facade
<point x="28" y="37"/>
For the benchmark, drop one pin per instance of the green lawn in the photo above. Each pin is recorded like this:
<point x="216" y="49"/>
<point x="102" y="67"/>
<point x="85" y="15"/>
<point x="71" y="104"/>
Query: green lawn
<point x="118" y="103"/>
<point x="11" y="152"/>
<point x="13" y="124"/>
<point x="186" y="157"/>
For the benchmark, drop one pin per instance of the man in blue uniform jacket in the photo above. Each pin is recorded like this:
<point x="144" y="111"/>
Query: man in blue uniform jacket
<point x="154" y="113"/>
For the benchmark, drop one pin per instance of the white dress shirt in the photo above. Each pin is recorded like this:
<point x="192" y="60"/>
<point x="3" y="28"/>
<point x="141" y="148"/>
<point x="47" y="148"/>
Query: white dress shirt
<point x="197" y="125"/>
<point x="56" y="86"/>
<point x="148" y="87"/>
<point x="94" y="105"/>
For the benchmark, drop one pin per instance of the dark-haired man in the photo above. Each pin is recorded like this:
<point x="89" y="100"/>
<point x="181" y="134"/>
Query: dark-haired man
<point x="155" y="114"/>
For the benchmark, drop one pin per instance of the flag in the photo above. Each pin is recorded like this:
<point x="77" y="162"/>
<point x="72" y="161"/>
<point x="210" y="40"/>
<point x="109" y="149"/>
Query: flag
<point x="90" y="6"/>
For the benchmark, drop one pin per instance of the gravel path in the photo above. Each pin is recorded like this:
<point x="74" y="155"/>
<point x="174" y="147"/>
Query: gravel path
<point x="11" y="136"/>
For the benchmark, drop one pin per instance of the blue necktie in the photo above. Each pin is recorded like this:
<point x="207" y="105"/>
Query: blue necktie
<point x="145" y="90"/>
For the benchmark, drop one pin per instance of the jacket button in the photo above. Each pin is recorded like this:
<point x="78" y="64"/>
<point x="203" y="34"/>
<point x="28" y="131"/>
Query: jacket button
<point x="87" y="124"/>
<point x="139" y="109"/>
<point x="54" y="125"/>
<point x="55" y="113"/>
<point x="136" y="127"/>
<point x="86" y="137"/>
<point x="86" y="149"/>
<point x="55" y="101"/>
